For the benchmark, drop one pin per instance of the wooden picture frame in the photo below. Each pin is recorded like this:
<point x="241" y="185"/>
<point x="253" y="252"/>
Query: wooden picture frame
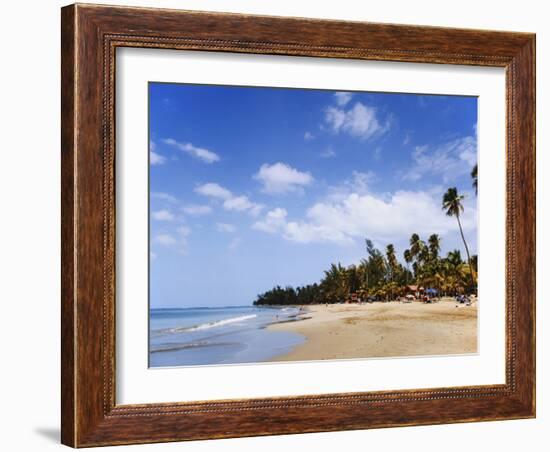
<point x="90" y="36"/>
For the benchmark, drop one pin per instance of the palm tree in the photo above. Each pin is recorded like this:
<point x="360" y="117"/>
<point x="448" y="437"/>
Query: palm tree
<point x="392" y="265"/>
<point x="434" y="244"/>
<point x="454" y="258"/>
<point x="408" y="259"/>
<point x="474" y="177"/>
<point x="392" y="260"/>
<point x="336" y="284"/>
<point x="452" y="268"/>
<point x="375" y="265"/>
<point x="416" y="245"/>
<point x="452" y="204"/>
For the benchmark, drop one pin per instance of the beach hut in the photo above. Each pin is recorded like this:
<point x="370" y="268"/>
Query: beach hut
<point x="414" y="290"/>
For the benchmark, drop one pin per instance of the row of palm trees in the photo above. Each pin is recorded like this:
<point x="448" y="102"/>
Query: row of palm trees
<point x="380" y="275"/>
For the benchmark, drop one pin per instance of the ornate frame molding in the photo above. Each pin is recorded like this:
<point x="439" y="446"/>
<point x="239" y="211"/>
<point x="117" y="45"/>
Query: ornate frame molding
<point x="90" y="37"/>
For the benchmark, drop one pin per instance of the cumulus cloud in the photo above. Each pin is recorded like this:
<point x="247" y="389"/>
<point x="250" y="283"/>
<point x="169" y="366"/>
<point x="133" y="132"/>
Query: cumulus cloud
<point x="388" y="217"/>
<point x="242" y="203"/>
<point x="449" y="160"/>
<point x="154" y="157"/>
<point x="238" y="203"/>
<point x="213" y="190"/>
<point x="176" y="240"/>
<point x="231" y="202"/>
<point x="281" y="178"/>
<point x="197" y="209"/>
<point x="360" y="121"/>
<point x="202" y="154"/>
<point x="162" y="215"/>
<point x="342" y="98"/>
<point x="359" y="182"/>
<point x="304" y="232"/>
<point x="164" y="197"/>
<point x="308" y="136"/>
<point x="274" y="221"/>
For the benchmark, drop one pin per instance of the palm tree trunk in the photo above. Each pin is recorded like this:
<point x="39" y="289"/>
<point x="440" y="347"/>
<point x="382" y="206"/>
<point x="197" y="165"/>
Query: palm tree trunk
<point x="467" y="251"/>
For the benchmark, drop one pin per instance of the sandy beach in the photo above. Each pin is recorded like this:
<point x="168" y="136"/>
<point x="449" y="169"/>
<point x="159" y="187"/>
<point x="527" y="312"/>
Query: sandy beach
<point x="382" y="330"/>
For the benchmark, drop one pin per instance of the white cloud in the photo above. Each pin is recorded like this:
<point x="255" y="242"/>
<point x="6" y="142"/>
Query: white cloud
<point x="225" y="227"/>
<point x="308" y="136"/>
<point x="359" y="182"/>
<point x="197" y="209"/>
<point x="154" y="157"/>
<point x="179" y="242"/>
<point x="449" y="160"/>
<point x="281" y="178"/>
<point x="256" y="209"/>
<point x="162" y="215"/>
<point x="342" y="97"/>
<point x="165" y="239"/>
<point x="386" y="217"/>
<point x="304" y="232"/>
<point x="230" y="201"/>
<point x="238" y="203"/>
<point x="242" y="203"/>
<point x="359" y="121"/>
<point x="274" y="221"/>
<point x="164" y="197"/>
<point x="213" y="190"/>
<point x="199" y="153"/>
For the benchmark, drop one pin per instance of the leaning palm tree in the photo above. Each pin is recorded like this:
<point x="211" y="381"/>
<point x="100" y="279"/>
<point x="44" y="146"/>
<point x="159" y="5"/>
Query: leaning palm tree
<point x="474" y="177"/>
<point x="452" y="204"/>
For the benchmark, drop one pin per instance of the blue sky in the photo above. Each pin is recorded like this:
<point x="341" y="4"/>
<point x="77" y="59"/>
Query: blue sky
<point x="254" y="187"/>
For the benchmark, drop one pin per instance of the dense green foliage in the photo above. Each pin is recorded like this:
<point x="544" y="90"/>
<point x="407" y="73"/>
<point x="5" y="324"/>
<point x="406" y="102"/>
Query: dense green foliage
<point x="382" y="277"/>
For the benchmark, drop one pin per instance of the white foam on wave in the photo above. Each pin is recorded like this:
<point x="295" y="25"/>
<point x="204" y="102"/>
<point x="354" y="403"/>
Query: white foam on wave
<point x="205" y="326"/>
<point x="217" y="323"/>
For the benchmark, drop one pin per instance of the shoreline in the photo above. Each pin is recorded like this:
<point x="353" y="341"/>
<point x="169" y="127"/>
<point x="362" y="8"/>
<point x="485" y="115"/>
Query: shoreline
<point x="377" y="330"/>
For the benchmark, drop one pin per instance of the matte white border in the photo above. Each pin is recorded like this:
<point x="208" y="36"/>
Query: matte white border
<point x="135" y="383"/>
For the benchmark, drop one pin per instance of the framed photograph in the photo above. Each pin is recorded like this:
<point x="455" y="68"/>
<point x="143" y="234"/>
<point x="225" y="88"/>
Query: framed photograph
<point x="281" y="225"/>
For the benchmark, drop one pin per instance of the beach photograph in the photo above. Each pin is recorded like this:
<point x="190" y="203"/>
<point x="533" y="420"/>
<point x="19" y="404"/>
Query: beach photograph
<point x="291" y="225"/>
